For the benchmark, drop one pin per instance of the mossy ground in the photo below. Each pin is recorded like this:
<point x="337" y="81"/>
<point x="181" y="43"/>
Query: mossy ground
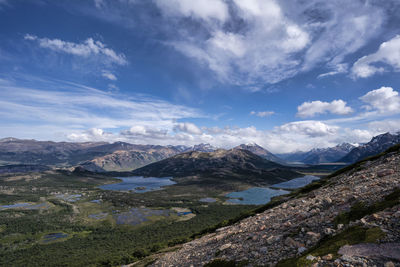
<point x="331" y="245"/>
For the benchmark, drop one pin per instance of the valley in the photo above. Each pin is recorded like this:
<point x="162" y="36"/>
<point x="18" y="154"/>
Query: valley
<point x="77" y="216"/>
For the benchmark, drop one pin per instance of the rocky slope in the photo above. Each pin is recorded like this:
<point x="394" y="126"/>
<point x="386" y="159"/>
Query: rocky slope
<point x="377" y="145"/>
<point x="319" y="155"/>
<point x="326" y="226"/>
<point x="234" y="164"/>
<point x="260" y="151"/>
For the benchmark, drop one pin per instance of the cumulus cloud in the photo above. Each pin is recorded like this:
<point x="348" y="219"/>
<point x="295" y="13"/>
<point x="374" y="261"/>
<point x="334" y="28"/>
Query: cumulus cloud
<point x="310" y="109"/>
<point x="262" y="114"/>
<point x="93" y="134"/>
<point x="144" y="131"/>
<point x="86" y="49"/>
<point x="187" y="127"/>
<point x="383" y="100"/>
<point x="388" y="53"/>
<point x="309" y="128"/>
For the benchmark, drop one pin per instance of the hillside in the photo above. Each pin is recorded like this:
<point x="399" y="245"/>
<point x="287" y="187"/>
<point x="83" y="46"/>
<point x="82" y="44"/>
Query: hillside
<point x="260" y="151"/>
<point x="231" y="164"/>
<point x="358" y="206"/>
<point x="377" y="145"/>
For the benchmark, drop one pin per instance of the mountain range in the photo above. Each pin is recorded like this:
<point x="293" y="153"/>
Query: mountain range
<point x="377" y="145"/>
<point x="122" y="156"/>
<point x="319" y="155"/>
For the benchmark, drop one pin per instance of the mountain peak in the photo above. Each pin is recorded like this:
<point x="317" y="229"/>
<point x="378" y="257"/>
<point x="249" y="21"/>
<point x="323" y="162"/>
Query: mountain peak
<point x="9" y="139"/>
<point x="377" y="144"/>
<point x="260" y="151"/>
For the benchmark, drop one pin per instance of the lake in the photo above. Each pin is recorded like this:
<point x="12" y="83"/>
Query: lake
<point x="139" y="184"/>
<point x="297" y="182"/>
<point x="263" y="195"/>
<point x="53" y="237"/>
<point x="27" y="206"/>
<point x="208" y="200"/>
<point x="254" y="196"/>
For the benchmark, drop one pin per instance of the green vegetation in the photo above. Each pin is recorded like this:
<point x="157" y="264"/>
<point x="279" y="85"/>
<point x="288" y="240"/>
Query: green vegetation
<point x="87" y="241"/>
<point x="331" y="245"/>
<point x="360" y="209"/>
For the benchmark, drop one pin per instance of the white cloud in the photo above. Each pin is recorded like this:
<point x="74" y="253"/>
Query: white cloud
<point x="205" y="9"/>
<point x="383" y="100"/>
<point x="388" y="53"/>
<point x="144" y="131"/>
<point x="308" y="128"/>
<point x="340" y="28"/>
<point x="383" y="126"/>
<point x="93" y="134"/>
<point x="88" y="48"/>
<point x="108" y="75"/>
<point x="187" y="127"/>
<point x="310" y="109"/>
<point x="337" y="69"/>
<point x="262" y="114"/>
<point x="74" y="108"/>
<point x="254" y="42"/>
<point x="262" y="51"/>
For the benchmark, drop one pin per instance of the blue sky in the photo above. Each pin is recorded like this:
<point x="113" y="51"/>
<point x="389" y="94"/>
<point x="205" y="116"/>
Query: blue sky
<point x="288" y="75"/>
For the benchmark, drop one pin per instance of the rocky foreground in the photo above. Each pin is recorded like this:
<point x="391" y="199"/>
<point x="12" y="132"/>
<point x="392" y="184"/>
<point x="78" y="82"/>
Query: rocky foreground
<point x="297" y="227"/>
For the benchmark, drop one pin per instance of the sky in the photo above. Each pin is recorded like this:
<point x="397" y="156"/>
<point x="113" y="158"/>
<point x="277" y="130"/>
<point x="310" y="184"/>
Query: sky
<point x="289" y="75"/>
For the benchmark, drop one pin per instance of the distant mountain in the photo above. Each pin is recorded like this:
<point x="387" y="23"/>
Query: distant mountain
<point x="260" y="151"/>
<point x="220" y="165"/>
<point x="126" y="160"/>
<point x="377" y="145"/>
<point x="95" y="156"/>
<point x="18" y="151"/>
<point x="201" y="148"/>
<point x="319" y="155"/>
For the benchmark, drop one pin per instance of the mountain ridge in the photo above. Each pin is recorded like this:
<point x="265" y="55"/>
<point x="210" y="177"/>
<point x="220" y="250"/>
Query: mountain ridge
<point x="319" y="155"/>
<point x="377" y="145"/>
<point x="221" y="164"/>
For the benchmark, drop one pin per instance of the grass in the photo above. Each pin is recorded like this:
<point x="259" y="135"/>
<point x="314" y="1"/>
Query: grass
<point x="360" y="209"/>
<point x="331" y="245"/>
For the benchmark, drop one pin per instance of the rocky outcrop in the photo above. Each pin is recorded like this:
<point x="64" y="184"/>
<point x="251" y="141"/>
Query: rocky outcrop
<point x="293" y="227"/>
